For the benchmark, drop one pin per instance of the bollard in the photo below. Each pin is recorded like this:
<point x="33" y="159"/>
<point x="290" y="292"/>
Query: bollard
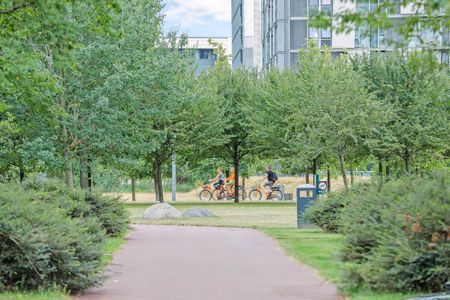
<point x="304" y="200"/>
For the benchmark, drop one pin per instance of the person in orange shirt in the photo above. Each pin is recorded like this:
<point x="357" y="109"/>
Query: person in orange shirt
<point x="230" y="180"/>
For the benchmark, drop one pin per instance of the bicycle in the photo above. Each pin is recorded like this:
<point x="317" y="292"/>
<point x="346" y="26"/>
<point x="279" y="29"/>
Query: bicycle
<point x="206" y="194"/>
<point x="225" y="192"/>
<point x="256" y="193"/>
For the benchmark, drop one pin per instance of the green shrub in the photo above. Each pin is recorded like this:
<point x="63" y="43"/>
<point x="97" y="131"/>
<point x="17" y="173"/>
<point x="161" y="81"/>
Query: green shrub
<point x="398" y="235"/>
<point x="109" y="210"/>
<point x="326" y="212"/>
<point x="42" y="247"/>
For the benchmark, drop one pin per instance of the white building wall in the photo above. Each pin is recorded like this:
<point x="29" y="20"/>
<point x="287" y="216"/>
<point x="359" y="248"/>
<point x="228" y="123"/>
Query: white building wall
<point x="342" y="40"/>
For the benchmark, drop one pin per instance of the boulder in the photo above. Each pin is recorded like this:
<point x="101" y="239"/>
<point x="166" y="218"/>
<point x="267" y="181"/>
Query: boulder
<point x="197" y="212"/>
<point x="162" y="211"/>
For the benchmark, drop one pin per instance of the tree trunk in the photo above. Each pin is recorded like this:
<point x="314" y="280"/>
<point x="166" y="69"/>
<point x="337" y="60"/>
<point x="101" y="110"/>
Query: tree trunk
<point x="133" y="189"/>
<point x="84" y="176"/>
<point x="236" y="176"/>
<point x="407" y="159"/>
<point x="329" y="180"/>
<point x="307" y="175"/>
<point x="388" y="169"/>
<point x="68" y="167"/>
<point x="380" y="167"/>
<point x="344" y="175"/>
<point x="352" y="176"/>
<point x="89" y="171"/>
<point x="158" y="183"/>
<point x="21" y="173"/>
<point x="243" y="182"/>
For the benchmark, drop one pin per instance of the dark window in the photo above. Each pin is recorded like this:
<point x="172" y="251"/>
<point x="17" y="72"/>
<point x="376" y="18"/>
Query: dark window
<point x="204" y="53"/>
<point x="326" y="43"/>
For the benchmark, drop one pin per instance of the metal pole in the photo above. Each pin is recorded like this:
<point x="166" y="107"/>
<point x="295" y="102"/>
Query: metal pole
<point x="174" y="177"/>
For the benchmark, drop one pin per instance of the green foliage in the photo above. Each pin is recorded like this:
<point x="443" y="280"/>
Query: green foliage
<point x="108" y="211"/>
<point x="321" y="111"/>
<point x="416" y="90"/>
<point x="326" y="212"/>
<point x="397" y="234"/>
<point x="42" y="247"/>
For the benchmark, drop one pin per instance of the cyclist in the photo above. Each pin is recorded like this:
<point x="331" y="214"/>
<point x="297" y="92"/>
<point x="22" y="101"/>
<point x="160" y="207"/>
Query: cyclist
<point x="271" y="178"/>
<point x="219" y="180"/>
<point x="230" y="180"/>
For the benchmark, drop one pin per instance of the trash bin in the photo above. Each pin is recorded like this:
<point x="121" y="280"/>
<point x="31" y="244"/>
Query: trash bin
<point x="306" y="195"/>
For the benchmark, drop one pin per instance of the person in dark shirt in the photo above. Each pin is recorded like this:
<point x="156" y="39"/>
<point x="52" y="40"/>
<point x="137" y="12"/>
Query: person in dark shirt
<point x="270" y="177"/>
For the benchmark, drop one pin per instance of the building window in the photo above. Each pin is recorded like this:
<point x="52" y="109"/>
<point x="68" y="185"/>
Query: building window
<point x="204" y="53"/>
<point x="313" y="7"/>
<point x="326" y="33"/>
<point x="322" y="36"/>
<point x="362" y="5"/>
<point x="362" y="37"/>
<point x="313" y="33"/>
<point x="445" y="58"/>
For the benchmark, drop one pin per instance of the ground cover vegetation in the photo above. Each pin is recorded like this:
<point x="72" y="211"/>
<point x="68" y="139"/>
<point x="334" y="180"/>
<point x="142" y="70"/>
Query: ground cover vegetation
<point x="97" y="87"/>
<point x="396" y="232"/>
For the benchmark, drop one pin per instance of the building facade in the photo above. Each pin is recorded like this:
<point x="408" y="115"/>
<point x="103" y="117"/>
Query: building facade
<point x="246" y="33"/>
<point x="203" y="51"/>
<point x="285" y="30"/>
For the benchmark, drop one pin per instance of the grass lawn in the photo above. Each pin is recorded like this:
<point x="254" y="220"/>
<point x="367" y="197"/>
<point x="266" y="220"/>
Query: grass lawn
<point x="250" y="214"/>
<point x="312" y="247"/>
<point x="112" y="245"/>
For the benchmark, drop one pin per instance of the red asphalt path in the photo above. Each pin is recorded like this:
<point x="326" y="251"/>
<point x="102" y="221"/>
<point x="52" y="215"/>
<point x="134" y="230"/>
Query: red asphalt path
<point x="205" y="263"/>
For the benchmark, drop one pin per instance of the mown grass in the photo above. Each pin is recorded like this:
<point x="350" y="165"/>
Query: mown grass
<point x="313" y="247"/>
<point x="44" y="295"/>
<point x="112" y="245"/>
<point x="319" y="250"/>
<point x="227" y="214"/>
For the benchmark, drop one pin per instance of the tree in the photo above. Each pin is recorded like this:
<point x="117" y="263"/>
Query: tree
<point x="37" y="39"/>
<point x="232" y="92"/>
<point x="322" y="109"/>
<point x="417" y="90"/>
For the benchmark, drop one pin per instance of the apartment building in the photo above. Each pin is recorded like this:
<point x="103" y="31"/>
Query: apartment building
<point x="285" y="30"/>
<point x="246" y="33"/>
<point x="204" y="51"/>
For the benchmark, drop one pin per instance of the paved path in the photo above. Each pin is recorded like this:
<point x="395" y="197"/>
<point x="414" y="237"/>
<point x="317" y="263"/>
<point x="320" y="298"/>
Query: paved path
<point x="202" y="263"/>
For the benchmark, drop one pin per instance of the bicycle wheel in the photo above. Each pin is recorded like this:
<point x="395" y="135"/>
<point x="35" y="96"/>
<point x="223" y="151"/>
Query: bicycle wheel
<point x="255" y="195"/>
<point x="218" y="194"/>
<point x="205" y="195"/>
<point x="277" y="195"/>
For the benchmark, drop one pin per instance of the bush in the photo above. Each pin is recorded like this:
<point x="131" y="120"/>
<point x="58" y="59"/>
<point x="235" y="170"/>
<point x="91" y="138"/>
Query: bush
<point x="326" y="212"/>
<point x="42" y="247"/>
<point x="398" y="235"/>
<point x="109" y="211"/>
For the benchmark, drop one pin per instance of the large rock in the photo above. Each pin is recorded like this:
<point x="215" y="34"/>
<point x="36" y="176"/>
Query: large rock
<point x="197" y="212"/>
<point x="162" y="211"/>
